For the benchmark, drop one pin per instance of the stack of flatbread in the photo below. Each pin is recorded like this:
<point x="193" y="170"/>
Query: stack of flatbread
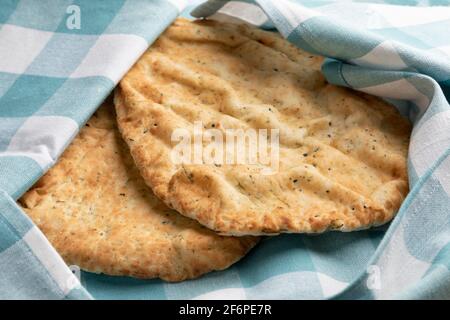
<point x="118" y="203"/>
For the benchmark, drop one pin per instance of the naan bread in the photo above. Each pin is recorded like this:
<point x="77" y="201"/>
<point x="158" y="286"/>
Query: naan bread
<point x="97" y="211"/>
<point x="342" y="153"/>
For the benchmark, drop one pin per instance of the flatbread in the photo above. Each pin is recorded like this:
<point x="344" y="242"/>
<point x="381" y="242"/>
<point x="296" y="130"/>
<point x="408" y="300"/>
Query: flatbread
<point x="97" y="211"/>
<point x="342" y="153"/>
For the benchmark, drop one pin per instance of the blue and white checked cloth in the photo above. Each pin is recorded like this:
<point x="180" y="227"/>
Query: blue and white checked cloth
<point x="52" y="78"/>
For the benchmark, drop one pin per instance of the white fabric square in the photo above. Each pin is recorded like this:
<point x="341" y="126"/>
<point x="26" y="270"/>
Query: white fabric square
<point x="42" y="138"/>
<point x="247" y="12"/>
<point x="19" y="46"/>
<point x="430" y="141"/>
<point x="383" y="55"/>
<point x="403" y="16"/>
<point x="51" y="260"/>
<point x="398" y="268"/>
<point x="111" y="56"/>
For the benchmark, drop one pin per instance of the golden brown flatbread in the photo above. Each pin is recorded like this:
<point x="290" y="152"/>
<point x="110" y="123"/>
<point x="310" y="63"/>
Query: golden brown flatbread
<point x="97" y="211"/>
<point x="342" y="159"/>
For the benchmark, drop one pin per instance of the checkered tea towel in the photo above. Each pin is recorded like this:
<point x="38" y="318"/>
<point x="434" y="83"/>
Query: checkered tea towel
<point x="59" y="59"/>
<point x="53" y="76"/>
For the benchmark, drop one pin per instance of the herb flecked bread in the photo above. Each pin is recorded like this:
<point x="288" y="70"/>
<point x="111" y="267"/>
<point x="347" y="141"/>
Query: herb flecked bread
<point x="97" y="212"/>
<point x="342" y="153"/>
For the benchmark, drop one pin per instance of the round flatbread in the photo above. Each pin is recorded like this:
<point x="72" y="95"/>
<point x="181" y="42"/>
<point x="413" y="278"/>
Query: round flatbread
<point x="96" y="210"/>
<point x="342" y="154"/>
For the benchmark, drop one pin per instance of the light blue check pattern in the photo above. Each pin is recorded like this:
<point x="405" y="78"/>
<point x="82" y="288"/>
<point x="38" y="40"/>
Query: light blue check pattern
<point x="53" y="78"/>
<point x="53" y="75"/>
